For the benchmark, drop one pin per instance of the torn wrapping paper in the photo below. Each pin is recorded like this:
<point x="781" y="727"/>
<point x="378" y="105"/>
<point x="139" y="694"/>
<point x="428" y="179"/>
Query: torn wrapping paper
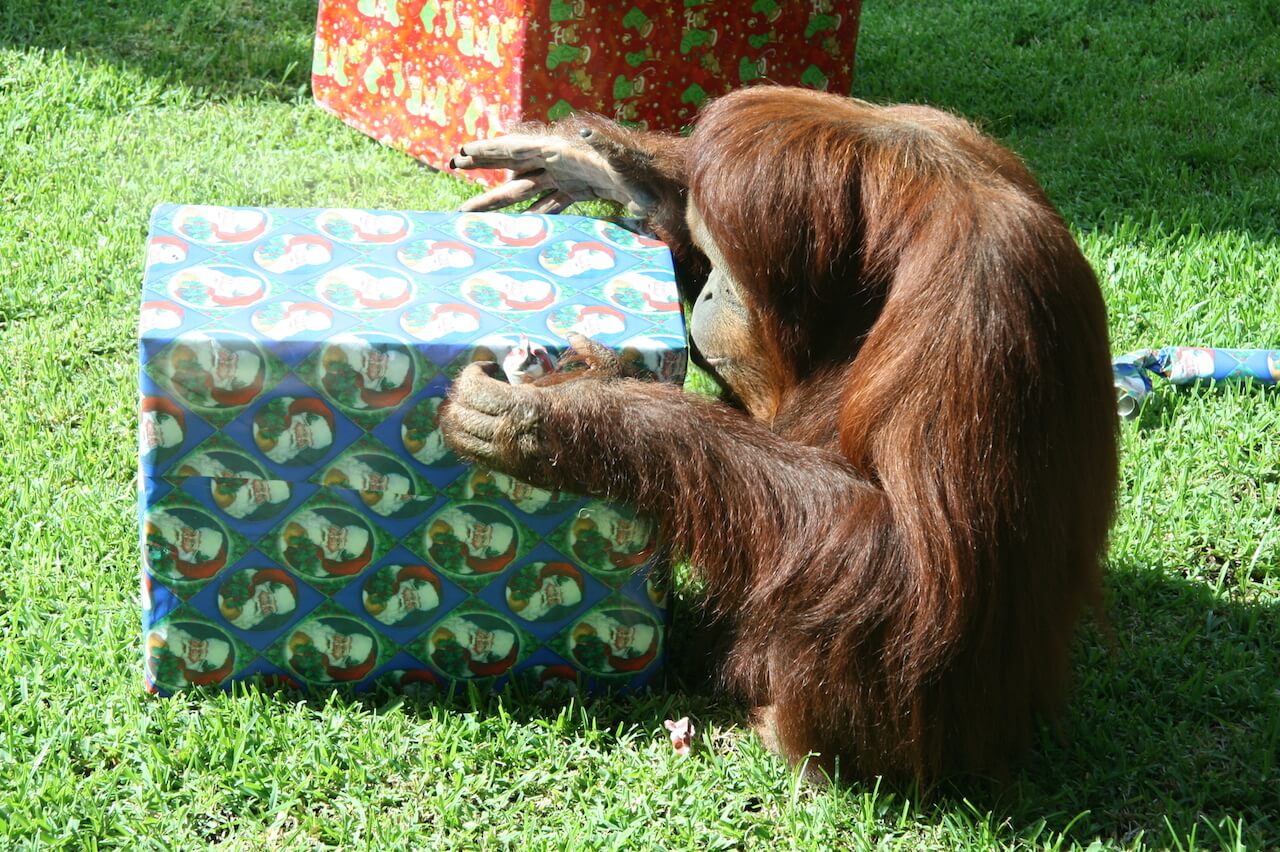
<point x="1185" y="365"/>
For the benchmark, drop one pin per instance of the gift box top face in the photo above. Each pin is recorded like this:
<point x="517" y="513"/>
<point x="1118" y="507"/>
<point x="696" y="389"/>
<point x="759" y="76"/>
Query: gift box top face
<point x="441" y="282"/>
<point x="301" y="516"/>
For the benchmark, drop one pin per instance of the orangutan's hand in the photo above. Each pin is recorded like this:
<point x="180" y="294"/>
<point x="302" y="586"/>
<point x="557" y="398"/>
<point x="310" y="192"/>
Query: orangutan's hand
<point x="589" y="359"/>
<point x="561" y="164"/>
<point x="496" y="424"/>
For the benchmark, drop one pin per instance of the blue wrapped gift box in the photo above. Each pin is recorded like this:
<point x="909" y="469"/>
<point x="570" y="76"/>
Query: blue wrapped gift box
<point x="301" y="519"/>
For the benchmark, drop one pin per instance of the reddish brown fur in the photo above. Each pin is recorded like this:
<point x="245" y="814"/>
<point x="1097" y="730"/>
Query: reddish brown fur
<point x="978" y="402"/>
<point x="905" y="546"/>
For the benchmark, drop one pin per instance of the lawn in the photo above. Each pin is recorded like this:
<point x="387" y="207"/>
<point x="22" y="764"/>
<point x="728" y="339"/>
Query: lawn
<point x="1154" y="126"/>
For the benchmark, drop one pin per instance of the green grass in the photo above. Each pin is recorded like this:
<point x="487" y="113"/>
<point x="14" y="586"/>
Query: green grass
<point x="1154" y="126"/>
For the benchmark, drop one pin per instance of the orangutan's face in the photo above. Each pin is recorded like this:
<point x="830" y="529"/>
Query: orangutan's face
<point x="723" y="329"/>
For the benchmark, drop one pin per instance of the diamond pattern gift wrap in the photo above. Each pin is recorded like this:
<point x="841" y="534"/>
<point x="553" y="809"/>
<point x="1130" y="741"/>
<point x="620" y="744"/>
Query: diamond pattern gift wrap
<point x="301" y="519"/>
<point x="429" y="75"/>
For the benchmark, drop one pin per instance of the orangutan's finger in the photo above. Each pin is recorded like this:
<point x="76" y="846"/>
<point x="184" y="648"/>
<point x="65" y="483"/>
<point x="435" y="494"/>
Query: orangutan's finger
<point x="598" y="357"/>
<point x="553" y="203"/>
<point x="476" y="389"/>
<point x="470" y="447"/>
<point x="505" y="152"/>
<point x="469" y="421"/>
<point x="512" y="192"/>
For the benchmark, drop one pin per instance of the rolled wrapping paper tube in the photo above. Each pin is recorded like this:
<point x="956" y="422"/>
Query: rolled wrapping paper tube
<point x="1132" y="386"/>
<point x="1185" y="365"/>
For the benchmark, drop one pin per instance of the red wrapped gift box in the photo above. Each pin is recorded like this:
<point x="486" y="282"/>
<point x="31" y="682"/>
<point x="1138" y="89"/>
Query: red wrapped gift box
<point x="425" y="76"/>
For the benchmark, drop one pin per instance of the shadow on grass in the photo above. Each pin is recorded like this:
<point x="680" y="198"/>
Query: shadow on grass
<point x="220" y="48"/>
<point x="1173" y="730"/>
<point x="1176" y="718"/>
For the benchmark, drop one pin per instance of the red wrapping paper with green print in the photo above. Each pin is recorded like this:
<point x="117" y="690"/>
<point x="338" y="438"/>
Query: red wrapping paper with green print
<point x="426" y="76"/>
<point x="301" y="519"/>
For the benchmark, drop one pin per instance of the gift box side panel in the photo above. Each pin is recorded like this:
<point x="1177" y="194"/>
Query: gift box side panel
<point x="423" y="76"/>
<point x="426" y="76"/>
<point x="655" y="64"/>
<point x="296" y="525"/>
<point x="219" y="606"/>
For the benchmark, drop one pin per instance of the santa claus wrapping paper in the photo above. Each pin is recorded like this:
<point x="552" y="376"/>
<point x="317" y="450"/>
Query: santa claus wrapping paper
<point x="301" y="518"/>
